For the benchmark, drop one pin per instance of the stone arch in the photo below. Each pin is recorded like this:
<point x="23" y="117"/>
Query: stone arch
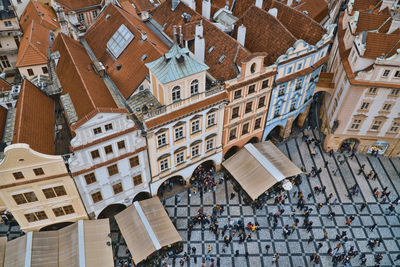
<point x="231" y="151"/>
<point x="55" y="226"/>
<point x="276" y="133"/>
<point x="171" y="186"/>
<point x="141" y="196"/>
<point x="111" y="210"/>
<point x="253" y="140"/>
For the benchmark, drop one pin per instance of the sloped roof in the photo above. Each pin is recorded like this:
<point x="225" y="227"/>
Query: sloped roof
<point x="34" y="46"/>
<point x="4" y="85"/>
<point x="371" y="21"/>
<point x="379" y="44"/>
<point x="40" y="12"/>
<point x="135" y="55"/>
<point x="78" y="4"/>
<point x="77" y="77"/>
<point x="316" y="9"/>
<point x="362" y="5"/>
<point x="176" y="64"/>
<point x="34" y="121"/>
<point x="276" y="39"/>
<point x="217" y="43"/>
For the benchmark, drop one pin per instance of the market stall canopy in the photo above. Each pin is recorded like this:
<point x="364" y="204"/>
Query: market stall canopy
<point x="82" y="244"/>
<point x="146" y="228"/>
<point x="257" y="167"/>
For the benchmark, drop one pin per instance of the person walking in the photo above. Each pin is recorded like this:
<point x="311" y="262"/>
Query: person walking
<point x="267" y="247"/>
<point x="363" y="206"/>
<point x="320" y="245"/>
<point x="325" y="235"/>
<point x="275" y="258"/>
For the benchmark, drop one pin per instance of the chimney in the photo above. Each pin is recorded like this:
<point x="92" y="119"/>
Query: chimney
<point x="259" y="3"/>
<point x="241" y="34"/>
<point x="273" y="12"/>
<point x="190" y="3"/>
<point x="175" y="34"/>
<point x="175" y="3"/>
<point x="180" y="36"/>
<point x="206" y="9"/>
<point x="289" y="2"/>
<point x="199" y="43"/>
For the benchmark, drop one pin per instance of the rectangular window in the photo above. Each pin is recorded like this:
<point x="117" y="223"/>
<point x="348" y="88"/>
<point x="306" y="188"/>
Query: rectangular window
<point x="36" y="216"/>
<point x="121" y="144"/>
<point x="235" y="112"/>
<point x="61" y="211"/>
<point x="195" y="151"/>
<point x="376" y="125"/>
<point x="119" y="41"/>
<point x="356" y="124"/>
<point x="245" y="129"/>
<point x="237" y="94"/>
<point x="261" y="102"/>
<point x="94" y="13"/>
<point x="248" y="107"/>
<point x="38" y="171"/>
<point x="277" y="111"/>
<point x="252" y="89"/>
<point x="45" y="70"/>
<point x="397" y="74"/>
<point x="18" y="175"/>
<point x="25" y="198"/>
<point x="257" y="124"/>
<point x="372" y="90"/>
<point x="164" y="165"/>
<point x="179" y="133"/>
<point x="134" y="161"/>
<point x="264" y="84"/>
<point x="137" y="180"/>
<point x="19" y="199"/>
<point x="108" y="149"/>
<point x="81" y="17"/>
<point x="282" y="89"/>
<point x="162" y="139"/>
<point x="395" y="127"/>
<point x="395" y="92"/>
<point x="210" y="120"/>
<point x="387" y="107"/>
<point x="97" y="130"/>
<point x="30" y="72"/>
<point x="108" y="127"/>
<point x="299" y="66"/>
<point x="97" y="197"/>
<point x="232" y="134"/>
<point x="112" y="170"/>
<point x="365" y="105"/>
<point x="7" y="23"/>
<point x="117" y="188"/>
<point x="176" y="94"/>
<point x="95" y="154"/>
<point x="289" y="70"/>
<point x="68" y="209"/>
<point x="386" y="73"/>
<point x="90" y="178"/>
<point x="60" y="191"/>
<point x="299" y="83"/>
<point x="49" y="193"/>
<point x="5" y="62"/>
<point x="195" y="126"/>
<point x="209" y="144"/>
<point x="180" y="157"/>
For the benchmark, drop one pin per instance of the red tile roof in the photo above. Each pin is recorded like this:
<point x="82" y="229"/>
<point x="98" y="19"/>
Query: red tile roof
<point x="371" y="21"/>
<point x="78" y="4"/>
<point x="316" y="9"/>
<point x="4" y="85"/>
<point x="131" y="58"/>
<point x="42" y="13"/>
<point x="34" y="45"/>
<point x="379" y="44"/>
<point x="34" y="121"/>
<point x="222" y="43"/>
<point x="77" y="77"/>
<point x="3" y="119"/>
<point x="362" y="5"/>
<point x="276" y="39"/>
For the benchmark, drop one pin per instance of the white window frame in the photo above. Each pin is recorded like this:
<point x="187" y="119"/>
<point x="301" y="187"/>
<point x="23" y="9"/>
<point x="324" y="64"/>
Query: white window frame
<point x="211" y="120"/>
<point x="195" y="150"/>
<point x="386" y="73"/>
<point x="180" y="157"/>
<point x="161" y="139"/>
<point x="176" y="93"/>
<point x="194" y="87"/>
<point x="178" y="133"/>
<point x="164" y="164"/>
<point x="209" y="144"/>
<point x="195" y="126"/>
<point x="119" y="41"/>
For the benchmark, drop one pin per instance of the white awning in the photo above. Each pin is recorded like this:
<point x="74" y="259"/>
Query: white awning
<point x="146" y="227"/>
<point x="257" y="167"/>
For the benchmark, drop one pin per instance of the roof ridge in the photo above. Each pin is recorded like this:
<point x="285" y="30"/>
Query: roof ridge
<point x="76" y="67"/>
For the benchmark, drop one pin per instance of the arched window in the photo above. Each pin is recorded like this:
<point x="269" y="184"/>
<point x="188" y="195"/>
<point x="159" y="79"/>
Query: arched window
<point x="176" y="93"/>
<point x="194" y="87"/>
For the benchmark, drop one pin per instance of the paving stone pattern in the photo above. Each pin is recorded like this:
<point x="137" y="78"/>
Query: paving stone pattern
<point x="295" y="250"/>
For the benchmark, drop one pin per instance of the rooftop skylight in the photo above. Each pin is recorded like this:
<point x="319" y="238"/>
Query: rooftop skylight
<point x="119" y="41"/>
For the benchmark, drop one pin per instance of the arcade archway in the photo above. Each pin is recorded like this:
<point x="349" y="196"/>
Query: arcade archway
<point x="171" y="186"/>
<point x="111" y="210"/>
<point x="349" y="144"/>
<point x="275" y="134"/>
<point x="253" y="140"/>
<point x="55" y="226"/>
<point x="141" y="196"/>
<point x="231" y="152"/>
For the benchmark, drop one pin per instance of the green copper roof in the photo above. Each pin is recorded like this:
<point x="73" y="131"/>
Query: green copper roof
<point x="177" y="63"/>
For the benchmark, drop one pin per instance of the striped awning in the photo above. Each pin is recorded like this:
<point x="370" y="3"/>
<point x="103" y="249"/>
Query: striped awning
<point x="258" y="167"/>
<point x="146" y="228"/>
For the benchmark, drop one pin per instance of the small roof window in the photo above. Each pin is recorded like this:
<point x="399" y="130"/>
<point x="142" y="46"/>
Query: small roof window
<point x="119" y="41"/>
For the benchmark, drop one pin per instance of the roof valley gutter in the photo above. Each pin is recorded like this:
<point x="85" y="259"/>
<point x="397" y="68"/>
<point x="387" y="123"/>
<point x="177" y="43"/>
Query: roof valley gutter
<point x="81" y="244"/>
<point x="269" y="166"/>
<point x="147" y="225"/>
<point x="28" y="249"/>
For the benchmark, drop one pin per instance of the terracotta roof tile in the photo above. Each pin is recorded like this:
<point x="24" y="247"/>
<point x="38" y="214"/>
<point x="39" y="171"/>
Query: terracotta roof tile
<point x="77" y="77"/>
<point x="222" y="43"/>
<point x="78" y="4"/>
<point x="316" y="9"/>
<point x="34" y="45"/>
<point x="131" y="58"/>
<point x="371" y="21"/>
<point x="40" y="12"/>
<point x="34" y="121"/>
<point x="3" y="119"/>
<point x="164" y="119"/>
<point x="276" y="38"/>
<point x="361" y="5"/>
<point x="378" y="44"/>
<point x="4" y="85"/>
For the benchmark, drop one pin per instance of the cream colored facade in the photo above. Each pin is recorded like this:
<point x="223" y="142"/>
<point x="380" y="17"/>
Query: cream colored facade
<point x="362" y="109"/>
<point x="9" y="41"/>
<point x="32" y="71"/>
<point x="37" y="189"/>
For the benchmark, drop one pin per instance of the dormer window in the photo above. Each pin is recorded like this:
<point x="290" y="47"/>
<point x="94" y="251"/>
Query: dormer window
<point x="119" y="41"/>
<point x="176" y="94"/>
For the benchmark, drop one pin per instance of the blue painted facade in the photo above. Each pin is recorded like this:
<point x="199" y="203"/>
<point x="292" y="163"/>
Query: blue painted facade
<point x="291" y="98"/>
